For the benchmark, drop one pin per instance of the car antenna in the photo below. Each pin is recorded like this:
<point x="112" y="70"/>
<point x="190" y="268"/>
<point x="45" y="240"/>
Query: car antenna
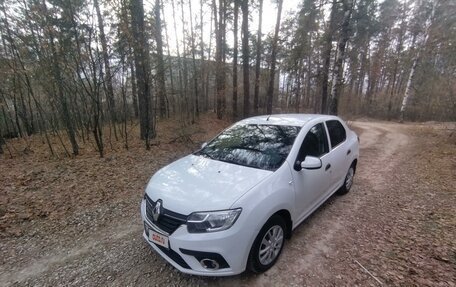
<point x="268" y="118"/>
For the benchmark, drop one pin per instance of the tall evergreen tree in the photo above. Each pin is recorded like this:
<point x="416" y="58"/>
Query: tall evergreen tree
<point x="246" y="56"/>
<point x="258" y="59"/>
<point x="270" y="94"/>
<point x="142" y="68"/>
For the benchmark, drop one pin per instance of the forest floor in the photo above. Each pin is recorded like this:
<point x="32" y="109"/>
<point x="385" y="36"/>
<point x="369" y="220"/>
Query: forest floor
<point x="76" y="222"/>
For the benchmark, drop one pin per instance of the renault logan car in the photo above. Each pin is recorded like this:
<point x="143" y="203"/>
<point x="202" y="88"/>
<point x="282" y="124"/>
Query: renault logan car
<point x="230" y="206"/>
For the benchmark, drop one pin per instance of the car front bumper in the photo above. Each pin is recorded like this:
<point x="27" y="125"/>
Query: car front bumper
<point x="230" y="248"/>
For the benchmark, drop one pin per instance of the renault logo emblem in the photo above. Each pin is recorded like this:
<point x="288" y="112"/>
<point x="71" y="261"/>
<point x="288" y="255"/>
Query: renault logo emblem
<point x="157" y="210"/>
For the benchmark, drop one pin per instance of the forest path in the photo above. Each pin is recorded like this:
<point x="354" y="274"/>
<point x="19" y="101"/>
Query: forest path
<point x="361" y="227"/>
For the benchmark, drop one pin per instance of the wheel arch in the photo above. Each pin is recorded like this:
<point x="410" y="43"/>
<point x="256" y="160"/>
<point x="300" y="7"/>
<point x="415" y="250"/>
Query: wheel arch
<point x="285" y="214"/>
<point x="354" y="163"/>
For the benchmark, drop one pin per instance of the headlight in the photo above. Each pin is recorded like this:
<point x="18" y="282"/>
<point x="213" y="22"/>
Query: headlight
<point x="211" y="221"/>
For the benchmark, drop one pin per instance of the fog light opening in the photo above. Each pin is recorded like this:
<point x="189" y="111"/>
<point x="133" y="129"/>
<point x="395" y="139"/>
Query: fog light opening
<point x="210" y="264"/>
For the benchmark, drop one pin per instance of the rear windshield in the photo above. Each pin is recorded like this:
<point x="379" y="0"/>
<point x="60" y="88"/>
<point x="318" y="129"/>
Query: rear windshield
<point x="252" y="145"/>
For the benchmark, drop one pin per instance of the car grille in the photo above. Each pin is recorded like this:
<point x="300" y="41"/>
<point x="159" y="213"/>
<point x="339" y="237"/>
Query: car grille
<point x="168" y="221"/>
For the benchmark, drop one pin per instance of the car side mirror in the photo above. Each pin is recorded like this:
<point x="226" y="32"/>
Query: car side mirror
<point x="203" y="145"/>
<point x="311" y="162"/>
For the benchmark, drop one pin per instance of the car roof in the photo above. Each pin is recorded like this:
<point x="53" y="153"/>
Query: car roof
<point x="285" y="119"/>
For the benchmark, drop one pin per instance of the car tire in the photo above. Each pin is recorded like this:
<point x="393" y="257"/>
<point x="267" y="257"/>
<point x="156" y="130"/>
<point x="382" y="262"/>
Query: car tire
<point x="348" y="181"/>
<point x="268" y="245"/>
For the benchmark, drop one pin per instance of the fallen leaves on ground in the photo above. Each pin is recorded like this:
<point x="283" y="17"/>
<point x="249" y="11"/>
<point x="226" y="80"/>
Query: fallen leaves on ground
<point x="36" y="186"/>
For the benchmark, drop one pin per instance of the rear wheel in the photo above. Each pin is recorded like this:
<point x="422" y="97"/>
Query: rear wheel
<point x="348" y="182"/>
<point x="268" y="245"/>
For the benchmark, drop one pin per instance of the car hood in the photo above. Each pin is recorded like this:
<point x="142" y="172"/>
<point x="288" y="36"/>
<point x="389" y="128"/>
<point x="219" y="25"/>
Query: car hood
<point x="195" y="183"/>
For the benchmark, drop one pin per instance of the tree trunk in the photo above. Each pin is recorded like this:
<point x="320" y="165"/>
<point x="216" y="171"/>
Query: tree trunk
<point x="220" y="69"/>
<point x="179" y="64"/>
<point x="309" y="79"/>
<point x="270" y="93"/>
<point x="195" y="109"/>
<point x="258" y="61"/>
<point x="328" y="36"/>
<point x="338" y="70"/>
<point x="235" y="58"/>
<point x="126" y="29"/>
<point x="170" y="68"/>
<point x="245" y="56"/>
<point x="16" y="114"/>
<point x="203" y="64"/>
<point x="398" y="51"/>
<point x="163" y="109"/>
<point x="408" y="87"/>
<point x="142" y="68"/>
<point x="298" y="89"/>
<point x="188" y="101"/>
<point x="134" y="90"/>
<point x="108" y="75"/>
<point x="209" y="54"/>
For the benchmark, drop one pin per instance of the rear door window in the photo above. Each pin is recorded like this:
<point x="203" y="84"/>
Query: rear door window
<point x="337" y="133"/>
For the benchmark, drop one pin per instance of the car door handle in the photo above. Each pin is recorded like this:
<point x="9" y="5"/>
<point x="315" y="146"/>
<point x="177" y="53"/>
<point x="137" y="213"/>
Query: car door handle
<point x="328" y="166"/>
<point x="349" y="151"/>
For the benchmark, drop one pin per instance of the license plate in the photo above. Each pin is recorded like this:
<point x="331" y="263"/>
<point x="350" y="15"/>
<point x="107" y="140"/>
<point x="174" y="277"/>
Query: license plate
<point x="158" y="238"/>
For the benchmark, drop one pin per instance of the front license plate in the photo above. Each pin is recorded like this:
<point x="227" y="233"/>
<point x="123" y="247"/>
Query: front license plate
<point x="158" y="238"/>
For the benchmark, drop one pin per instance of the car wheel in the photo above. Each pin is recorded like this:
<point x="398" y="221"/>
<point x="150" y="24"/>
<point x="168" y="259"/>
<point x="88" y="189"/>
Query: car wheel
<point x="348" y="182"/>
<point x="268" y="245"/>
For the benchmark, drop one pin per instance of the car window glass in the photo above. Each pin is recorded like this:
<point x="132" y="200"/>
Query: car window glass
<point x="336" y="132"/>
<point x="315" y="143"/>
<point x="258" y="146"/>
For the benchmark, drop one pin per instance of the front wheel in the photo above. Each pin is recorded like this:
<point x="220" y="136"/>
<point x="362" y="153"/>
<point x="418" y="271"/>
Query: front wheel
<point x="267" y="245"/>
<point x="348" y="182"/>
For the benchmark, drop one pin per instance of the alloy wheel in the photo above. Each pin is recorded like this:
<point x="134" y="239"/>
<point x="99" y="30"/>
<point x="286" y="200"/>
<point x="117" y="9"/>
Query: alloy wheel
<point x="271" y="244"/>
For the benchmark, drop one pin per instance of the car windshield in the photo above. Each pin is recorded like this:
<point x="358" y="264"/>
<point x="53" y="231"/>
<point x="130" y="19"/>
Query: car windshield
<point x="252" y="145"/>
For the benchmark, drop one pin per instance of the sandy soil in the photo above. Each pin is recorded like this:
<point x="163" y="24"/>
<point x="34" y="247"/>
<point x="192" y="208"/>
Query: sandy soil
<point x="396" y="227"/>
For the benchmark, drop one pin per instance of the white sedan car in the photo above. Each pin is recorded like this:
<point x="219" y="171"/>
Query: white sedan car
<point x="229" y="206"/>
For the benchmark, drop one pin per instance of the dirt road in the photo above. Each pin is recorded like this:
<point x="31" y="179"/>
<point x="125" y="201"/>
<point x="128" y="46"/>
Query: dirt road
<point x="396" y="227"/>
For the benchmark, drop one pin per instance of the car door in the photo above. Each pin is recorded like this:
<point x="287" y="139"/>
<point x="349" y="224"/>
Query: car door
<point x="311" y="184"/>
<point x="339" y="152"/>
